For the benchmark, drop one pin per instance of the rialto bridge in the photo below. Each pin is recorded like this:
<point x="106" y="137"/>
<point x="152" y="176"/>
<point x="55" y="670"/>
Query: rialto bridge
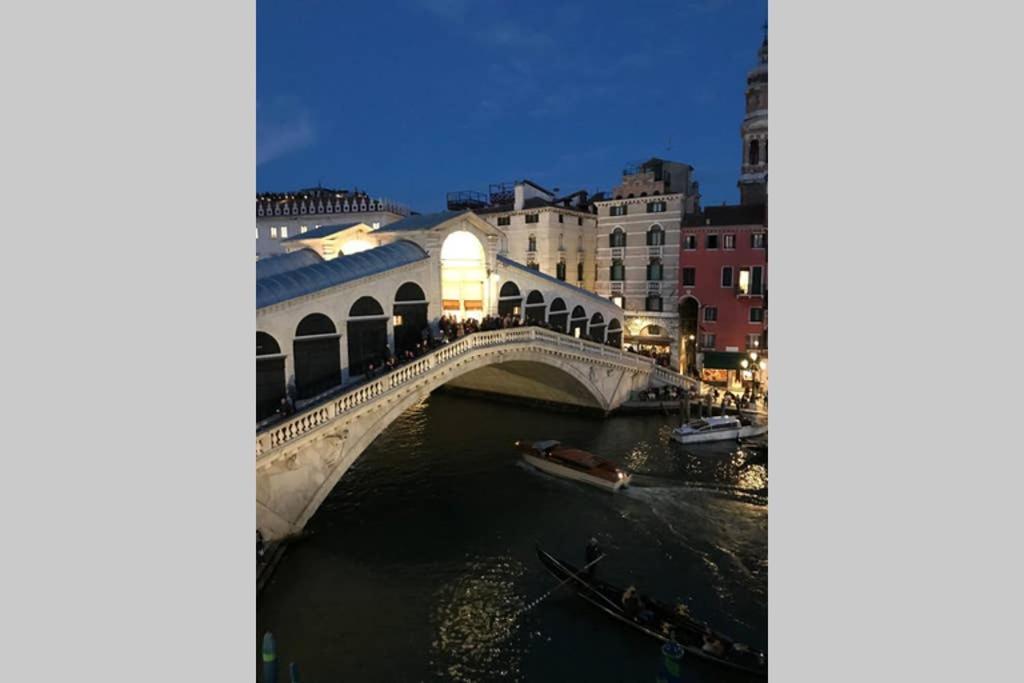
<point x="321" y="323"/>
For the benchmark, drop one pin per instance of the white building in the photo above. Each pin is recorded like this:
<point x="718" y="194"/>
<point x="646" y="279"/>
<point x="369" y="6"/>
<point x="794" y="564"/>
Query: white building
<point x="280" y="216"/>
<point x="554" y="235"/>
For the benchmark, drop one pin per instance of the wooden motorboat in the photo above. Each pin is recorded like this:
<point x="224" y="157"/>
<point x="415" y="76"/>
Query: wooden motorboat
<point x="719" y="428"/>
<point x="659" y="620"/>
<point x="572" y="463"/>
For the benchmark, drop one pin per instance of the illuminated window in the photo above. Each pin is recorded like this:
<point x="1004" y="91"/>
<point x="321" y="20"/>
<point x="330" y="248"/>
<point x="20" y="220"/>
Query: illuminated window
<point x="743" y="283"/>
<point x="303" y="229"/>
<point x="753" y="341"/>
<point x="376" y="225"/>
<point x="257" y="233"/>
<point x="273" y="233"/>
<point x="284" y="231"/>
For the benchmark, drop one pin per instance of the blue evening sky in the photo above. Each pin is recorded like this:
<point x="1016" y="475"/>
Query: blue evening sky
<point x="409" y="99"/>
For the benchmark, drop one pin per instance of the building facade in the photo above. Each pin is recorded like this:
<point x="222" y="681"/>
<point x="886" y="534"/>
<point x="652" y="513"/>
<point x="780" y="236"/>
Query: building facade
<point x="638" y="241"/>
<point x="753" y="182"/>
<point x="554" y="235"/>
<point x="723" y="285"/>
<point x="280" y="216"/>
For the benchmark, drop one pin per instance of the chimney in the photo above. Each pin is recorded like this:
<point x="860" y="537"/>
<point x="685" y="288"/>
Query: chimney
<point x="520" y="198"/>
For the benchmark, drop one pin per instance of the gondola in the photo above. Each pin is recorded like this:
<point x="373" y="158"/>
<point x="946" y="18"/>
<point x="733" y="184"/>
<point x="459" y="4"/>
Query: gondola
<point x="664" y="620"/>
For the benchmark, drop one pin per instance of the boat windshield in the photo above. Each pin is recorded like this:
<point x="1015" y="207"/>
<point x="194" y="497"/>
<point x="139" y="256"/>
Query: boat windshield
<point x="696" y="424"/>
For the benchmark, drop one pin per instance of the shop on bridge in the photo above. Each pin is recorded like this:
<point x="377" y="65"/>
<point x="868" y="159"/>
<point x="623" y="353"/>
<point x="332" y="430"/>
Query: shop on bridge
<point x="317" y="356"/>
<point x="410" y="316"/>
<point x="270" y="380"/>
<point x="367" y="335"/>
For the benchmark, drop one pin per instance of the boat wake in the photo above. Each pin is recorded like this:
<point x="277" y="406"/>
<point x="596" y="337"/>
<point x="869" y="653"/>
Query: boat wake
<point x="651" y="481"/>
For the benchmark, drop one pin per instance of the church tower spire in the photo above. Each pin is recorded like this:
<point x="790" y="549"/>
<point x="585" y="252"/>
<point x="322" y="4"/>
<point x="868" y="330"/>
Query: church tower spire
<point x="753" y="183"/>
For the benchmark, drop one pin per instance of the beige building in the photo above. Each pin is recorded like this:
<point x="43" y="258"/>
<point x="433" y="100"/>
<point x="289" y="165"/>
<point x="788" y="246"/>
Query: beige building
<point x="282" y="215"/>
<point x="638" y="246"/>
<point x="554" y="235"/>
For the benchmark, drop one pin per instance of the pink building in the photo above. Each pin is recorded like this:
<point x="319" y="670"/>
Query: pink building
<point x="723" y="292"/>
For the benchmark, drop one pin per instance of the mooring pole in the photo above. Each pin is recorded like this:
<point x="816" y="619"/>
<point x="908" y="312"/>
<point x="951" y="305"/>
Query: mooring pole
<point x="269" y="658"/>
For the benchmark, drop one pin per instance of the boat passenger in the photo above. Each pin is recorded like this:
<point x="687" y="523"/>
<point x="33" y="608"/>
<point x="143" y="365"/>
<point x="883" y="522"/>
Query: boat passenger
<point x="713" y="646"/>
<point x="630" y="602"/>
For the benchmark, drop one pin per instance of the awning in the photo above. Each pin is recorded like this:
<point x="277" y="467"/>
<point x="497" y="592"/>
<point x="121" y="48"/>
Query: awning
<point x="723" y="360"/>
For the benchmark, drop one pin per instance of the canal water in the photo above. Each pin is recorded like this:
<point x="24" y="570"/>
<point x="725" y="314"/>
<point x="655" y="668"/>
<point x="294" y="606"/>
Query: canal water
<point x="420" y="561"/>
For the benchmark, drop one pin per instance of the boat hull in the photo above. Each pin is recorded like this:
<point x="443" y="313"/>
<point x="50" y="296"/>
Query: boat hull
<point x="557" y="470"/>
<point x="689" y="632"/>
<point x="720" y="434"/>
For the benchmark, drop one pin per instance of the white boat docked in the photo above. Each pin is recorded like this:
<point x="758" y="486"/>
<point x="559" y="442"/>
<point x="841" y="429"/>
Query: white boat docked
<point x="571" y="463"/>
<point x="720" y="428"/>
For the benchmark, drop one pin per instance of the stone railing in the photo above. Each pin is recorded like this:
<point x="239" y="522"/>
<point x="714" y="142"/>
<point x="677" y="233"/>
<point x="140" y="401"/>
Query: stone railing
<point x="273" y="437"/>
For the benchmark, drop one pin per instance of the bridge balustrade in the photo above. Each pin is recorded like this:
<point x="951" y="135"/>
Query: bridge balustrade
<point x="311" y="418"/>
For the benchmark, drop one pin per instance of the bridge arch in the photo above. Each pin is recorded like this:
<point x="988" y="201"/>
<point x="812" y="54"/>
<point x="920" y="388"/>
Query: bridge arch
<point x="615" y="333"/>
<point x="558" y="315"/>
<point x="535" y="308"/>
<point x="270" y="375"/>
<point x="317" y="352"/>
<point x="328" y="455"/>
<point x="367" y="335"/>
<point x="510" y="299"/>
<point x="597" y="327"/>
<point x="410" y="316"/>
<point x="578" y="321"/>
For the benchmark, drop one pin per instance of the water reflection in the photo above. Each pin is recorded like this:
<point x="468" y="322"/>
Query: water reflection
<point x="476" y="622"/>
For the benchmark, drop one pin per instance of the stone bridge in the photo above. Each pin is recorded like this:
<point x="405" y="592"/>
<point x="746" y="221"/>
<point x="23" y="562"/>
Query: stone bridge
<point x="299" y="460"/>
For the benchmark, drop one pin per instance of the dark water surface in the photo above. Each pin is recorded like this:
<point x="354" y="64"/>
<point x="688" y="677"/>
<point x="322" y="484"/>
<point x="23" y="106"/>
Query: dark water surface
<point x="420" y="560"/>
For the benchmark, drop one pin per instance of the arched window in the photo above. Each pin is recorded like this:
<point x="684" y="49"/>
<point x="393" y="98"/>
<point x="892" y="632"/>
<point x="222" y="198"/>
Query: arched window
<point x="560" y="269"/>
<point x="367" y="335"/>
<point x="270" y="381"/>
<point x="558" y="316"/>
<point x="615" y="332"/>
<point x="654" y="269"/>
<point x="655" y="236"/>
<point x="578" y="321"/>
<point x="535" y="308"/>
<point x="317" y="356"/>
<point x="754" y="153"/>
<point x="509" y="289"/>
<point x="596" y="331"/>
<point x="509" y="300"/>
<point x="579" y="271"/>
<point x="617" y="238"/>
<point x="410" y="316"/>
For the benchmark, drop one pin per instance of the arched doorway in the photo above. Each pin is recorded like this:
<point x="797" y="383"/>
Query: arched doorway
<point x="558" y="315"/>
<point x="689" y="334"/>
<point x="615" y="333"/>
<point x="510" y="300"/>
<point x="463" y="275"/>
<point x="270" y="383"/>
<point x="535" y="308"/>
<point x="317" y="356"/>
<point x="367" y="335"/>
<point x="597" y="327"/>
<point x="578" y="321"/>
<point x="410" y="311"/>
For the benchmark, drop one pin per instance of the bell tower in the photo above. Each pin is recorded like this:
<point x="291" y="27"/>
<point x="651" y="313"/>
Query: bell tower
<point x="753" y="181"/>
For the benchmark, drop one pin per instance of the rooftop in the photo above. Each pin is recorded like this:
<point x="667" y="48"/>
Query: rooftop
<point x="290" y="284"/>
<point x="735" y="214"/>
<point x="322" y="231"/>
<point x="275" y="265"/>
<point x="421" y="222"/>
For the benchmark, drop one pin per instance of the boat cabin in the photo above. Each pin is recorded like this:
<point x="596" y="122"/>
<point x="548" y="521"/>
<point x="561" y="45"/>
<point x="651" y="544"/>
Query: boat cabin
<point x="713" y="424"/>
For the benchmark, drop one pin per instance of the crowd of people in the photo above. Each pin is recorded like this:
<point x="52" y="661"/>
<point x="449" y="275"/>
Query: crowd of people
<point x="662" y="358"/>
<point x="450" y="330"/>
